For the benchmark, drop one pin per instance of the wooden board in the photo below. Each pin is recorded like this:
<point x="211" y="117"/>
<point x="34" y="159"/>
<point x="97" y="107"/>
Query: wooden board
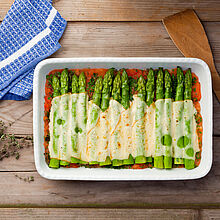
<point x="202" y="193"/>
<point x="126" y="10"/>
<point x="89" y="213"/>
<point x="117" y="39"/>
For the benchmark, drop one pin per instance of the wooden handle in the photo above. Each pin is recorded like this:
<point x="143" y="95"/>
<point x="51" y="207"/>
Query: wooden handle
<point x="215" y="81"/>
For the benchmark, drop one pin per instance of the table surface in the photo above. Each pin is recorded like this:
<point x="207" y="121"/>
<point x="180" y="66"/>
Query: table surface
<point x="112" y="28"/>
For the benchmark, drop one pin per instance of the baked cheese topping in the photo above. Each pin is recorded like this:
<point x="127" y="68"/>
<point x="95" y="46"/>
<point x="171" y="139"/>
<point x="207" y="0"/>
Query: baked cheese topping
<point x="79" y="129"/>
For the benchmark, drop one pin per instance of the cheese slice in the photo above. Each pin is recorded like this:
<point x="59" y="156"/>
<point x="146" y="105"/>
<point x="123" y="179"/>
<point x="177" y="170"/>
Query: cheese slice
<point x="63" y="121"/>
<point x="177" y="129"/>
<point x="190" y="137"/>
<point x="82" y="104"/>
<point x="150" y="131"/>
<point x="54" y="128"/>
<point x="126" y="132"/>
<point x="167" y="128"/>
<point x="115" y="109"/>
<point x="72" y="134"/>
<point x="138" y="127"/>
<point x="93" y="124"/>
<point x="159" y="124"/>
<point x="103" y="146"/>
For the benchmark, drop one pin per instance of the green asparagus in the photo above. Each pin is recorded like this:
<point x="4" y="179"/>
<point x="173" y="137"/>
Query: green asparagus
<point x="64" y="86"/>
<point x="116" y="94"/>
<point x="54" y="163"/>
<point x="83" y="112"/>
<point x="75" y="89"/>
<point x="189" y="163"/>
<point x="141" y="89"/>
<point x="158" y="160"/>
<point x="179" y="97"/>
<point x="97" y="100"/>
<point x="126" y="104"/>
<point x="107" y="87"/>
<point x="167" y="139"/>
<point x="150" y="90"/>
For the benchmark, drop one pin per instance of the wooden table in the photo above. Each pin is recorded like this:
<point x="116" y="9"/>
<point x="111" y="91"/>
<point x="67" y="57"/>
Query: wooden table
<point x="118" y="28"/>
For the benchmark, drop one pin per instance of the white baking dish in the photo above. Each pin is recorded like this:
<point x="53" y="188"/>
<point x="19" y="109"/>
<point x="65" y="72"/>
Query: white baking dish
<point x="198" y="66"/>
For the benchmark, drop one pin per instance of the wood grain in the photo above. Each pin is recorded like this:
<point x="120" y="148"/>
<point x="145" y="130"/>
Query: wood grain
<point x="90" y="213"/>
<point x="126" y="39"/>
<point x="201" y="193"/>
<point x="210" y="214"/>
<point x="126" y="10"/>
<point x="19" y="114"/>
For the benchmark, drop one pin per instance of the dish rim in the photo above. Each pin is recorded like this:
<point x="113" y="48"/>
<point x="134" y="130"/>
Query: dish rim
<point x="119" y="174"/>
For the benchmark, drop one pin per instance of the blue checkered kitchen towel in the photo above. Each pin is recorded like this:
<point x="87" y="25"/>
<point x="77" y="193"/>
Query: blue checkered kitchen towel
<point x="28" y="34"/>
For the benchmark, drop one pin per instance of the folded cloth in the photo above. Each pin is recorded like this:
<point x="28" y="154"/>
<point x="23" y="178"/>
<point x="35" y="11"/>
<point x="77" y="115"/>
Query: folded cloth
<point x="28" y="34"/>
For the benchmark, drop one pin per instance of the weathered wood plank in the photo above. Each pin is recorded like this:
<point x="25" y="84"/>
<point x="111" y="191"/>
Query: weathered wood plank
<point x="210" y="214"/>
<point x="126" y="10"/>
<point x="126" y="39"/>
<point x="202" y="193"/>
<point x="24" y="163"/>
<point x="90" y="213"/>
<point x="111" y="39"/>
<point x="19" y="114"/>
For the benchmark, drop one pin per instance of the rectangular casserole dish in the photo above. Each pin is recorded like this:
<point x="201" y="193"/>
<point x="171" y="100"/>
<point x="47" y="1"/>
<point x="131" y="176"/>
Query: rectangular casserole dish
<point x="198" y="66"/>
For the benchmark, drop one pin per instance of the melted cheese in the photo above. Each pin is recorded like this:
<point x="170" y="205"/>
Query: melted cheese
<point x="189" y="129"/>
<point x="82" y="122"/>
<point x="159" y="127"/>
<point x="177" y="129"/>
<point x="80" y="129"/>
<point x="93" y="124"/>
<point x="138" y="127"/>
<point x="103" y="146"/>
<point x="72" y="135"/>
<point x="54" y="129"/>
<point x="150" y="131"/>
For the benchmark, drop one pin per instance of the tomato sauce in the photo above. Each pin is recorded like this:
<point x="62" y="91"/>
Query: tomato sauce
<point x="134" y="74"/>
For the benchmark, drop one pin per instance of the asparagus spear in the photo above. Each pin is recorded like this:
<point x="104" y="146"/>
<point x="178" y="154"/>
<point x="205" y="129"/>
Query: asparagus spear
<point x="75" y="84"/>
<point x="125" y="90"/>
<point x="179" y="97"/>
<point x="82" y="120"/>
<point x="189" y="163"/>
<point x="107" y="87"/>
<point x="54" y="163"/>
<point x="116" y="94"/>
<point x="174" y="84"/>
<point x="64" y="86"/>
<point x="150" y="87"/>
<point x="141" y="89"/>
<point x="97" y="95"/>
<point x="82" y="82"/>
<point x="158" y="160"/>
<point x="150" y="90"/>
<point x="97" y="100"/>
<point x="126" y="103"/>
<point x="75" y="89"/>
<point x="56" y="86"/>
<point x="167" y="139"/>
<point x="64" y="82"/>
